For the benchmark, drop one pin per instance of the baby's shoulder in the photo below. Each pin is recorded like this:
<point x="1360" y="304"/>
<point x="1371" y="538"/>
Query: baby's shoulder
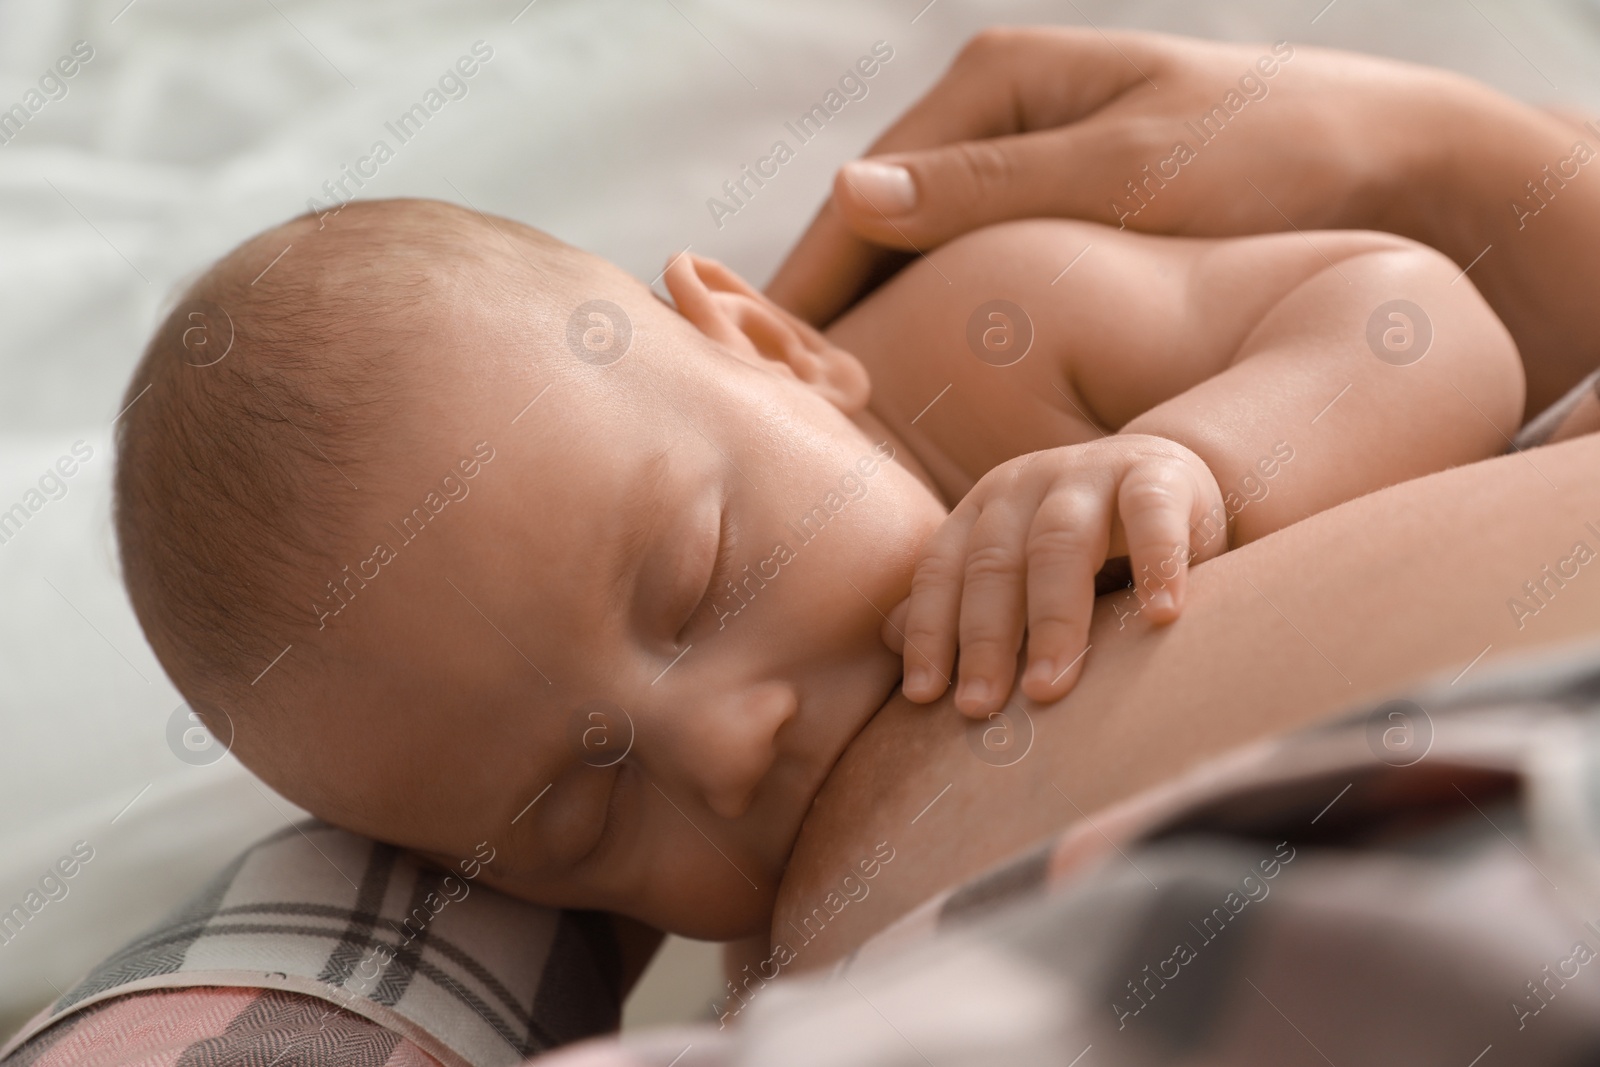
<point x="1026" y="253"/>
<point x="1097" y="322"/>
<point x="1047" y="289"/>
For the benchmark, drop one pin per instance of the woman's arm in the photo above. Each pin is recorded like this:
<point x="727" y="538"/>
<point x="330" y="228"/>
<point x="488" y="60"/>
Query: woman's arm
<point x="1073" y="123"/>
<point x="1350" y="604"/>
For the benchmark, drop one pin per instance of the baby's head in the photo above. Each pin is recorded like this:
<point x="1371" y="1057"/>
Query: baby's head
<point x="472" y="538"/>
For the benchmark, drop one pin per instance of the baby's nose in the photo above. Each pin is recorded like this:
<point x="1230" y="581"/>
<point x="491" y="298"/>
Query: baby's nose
<point x="731" y="743"/>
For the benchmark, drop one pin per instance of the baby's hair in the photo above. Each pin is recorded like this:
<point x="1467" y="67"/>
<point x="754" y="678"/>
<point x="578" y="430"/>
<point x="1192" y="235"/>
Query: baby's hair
<point x="262" y="403"/>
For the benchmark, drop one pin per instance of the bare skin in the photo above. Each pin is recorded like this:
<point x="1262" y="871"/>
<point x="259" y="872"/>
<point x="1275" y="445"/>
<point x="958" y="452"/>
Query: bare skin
<point x="1183" y="371"/>
<point x="1036" y="122"/>
<point x="1353" y="603"/>
<point x="1286" y="629"/>
<point x="1390" y="587"/>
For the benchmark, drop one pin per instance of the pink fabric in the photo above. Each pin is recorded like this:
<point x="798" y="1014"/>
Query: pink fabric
<point x="206" y="1025"/>
<point x="472" y="977"/>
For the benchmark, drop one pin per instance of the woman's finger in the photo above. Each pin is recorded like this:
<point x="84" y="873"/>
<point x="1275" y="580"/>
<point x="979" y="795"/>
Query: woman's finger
<point x="1005" y="81"/>
<point x="829" y="269"/>
<point x="1009" y="80"/>
<point x="918" y="201"/>
<point x="885" y="208"/>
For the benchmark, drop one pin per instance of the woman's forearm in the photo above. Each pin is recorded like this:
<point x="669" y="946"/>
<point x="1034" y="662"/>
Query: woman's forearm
<point x="1512" y="195"/>
<point x="1348" y="605"/>
<point x="1103" y="126"/>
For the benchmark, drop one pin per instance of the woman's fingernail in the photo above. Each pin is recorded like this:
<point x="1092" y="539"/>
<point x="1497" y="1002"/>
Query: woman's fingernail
<point x="885" y="186"/>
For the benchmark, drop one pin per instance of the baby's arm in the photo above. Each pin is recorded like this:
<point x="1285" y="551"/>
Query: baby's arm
<point x="1378" y="363"/>
<point x="1230" y="387"/>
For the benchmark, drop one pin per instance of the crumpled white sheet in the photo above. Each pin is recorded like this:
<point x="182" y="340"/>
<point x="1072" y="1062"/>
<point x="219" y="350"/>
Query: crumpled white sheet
<point x="608" y="123"/>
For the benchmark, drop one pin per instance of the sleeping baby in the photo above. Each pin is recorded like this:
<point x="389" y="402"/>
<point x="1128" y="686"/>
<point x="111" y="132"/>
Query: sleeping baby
<point x="470" y="536"/>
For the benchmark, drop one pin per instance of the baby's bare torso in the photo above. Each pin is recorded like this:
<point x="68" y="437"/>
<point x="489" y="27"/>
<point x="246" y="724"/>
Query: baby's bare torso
<point x="1044" y="332"/>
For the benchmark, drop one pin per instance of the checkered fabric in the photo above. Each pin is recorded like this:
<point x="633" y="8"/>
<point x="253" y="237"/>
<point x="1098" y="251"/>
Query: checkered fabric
<point x="320" y="922"/>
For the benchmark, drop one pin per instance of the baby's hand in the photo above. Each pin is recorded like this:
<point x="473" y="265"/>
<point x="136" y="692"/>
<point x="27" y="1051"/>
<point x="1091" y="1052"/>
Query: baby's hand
<point x="1023" y="547"/>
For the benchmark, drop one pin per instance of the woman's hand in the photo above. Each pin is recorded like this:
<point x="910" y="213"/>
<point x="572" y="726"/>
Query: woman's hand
<point x="1065" y="122"/>
<point x="1023" y="547"/>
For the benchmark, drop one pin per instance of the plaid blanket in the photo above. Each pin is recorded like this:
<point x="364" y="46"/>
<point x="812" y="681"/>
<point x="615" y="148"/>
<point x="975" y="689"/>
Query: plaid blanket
<point x="340" y="950"/>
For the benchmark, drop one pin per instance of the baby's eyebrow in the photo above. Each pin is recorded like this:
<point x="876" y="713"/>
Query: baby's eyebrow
<point x="650" y="489"/>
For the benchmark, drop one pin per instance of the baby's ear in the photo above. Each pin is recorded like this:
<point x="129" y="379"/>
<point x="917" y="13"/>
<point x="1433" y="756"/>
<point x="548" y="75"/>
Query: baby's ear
<point x="728" y="310"/>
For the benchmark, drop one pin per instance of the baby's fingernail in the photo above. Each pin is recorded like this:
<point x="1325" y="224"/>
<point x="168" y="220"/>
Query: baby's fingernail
<point x="885" y="186"/>
<point x="918" y="680"/>
<point x="1163" y="601"/>
<point x="974" y="692"/>
<point x="1043" y="672"/>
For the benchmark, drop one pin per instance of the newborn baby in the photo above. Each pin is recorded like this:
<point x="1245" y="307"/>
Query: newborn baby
<point x="468" y="536"/>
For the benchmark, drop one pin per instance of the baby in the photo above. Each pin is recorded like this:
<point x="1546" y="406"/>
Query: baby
<point x="466" y="535"/>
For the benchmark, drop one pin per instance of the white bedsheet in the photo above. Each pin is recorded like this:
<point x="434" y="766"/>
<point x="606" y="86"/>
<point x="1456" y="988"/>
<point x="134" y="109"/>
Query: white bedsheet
<point x="608" y="123"/>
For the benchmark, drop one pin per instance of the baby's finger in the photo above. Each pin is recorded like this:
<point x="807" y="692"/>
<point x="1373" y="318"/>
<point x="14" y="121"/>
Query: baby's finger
<point x="935" y="604"/>
<point x="992" y="598"/>
<point x="1066" y="546"/>
<point x="1154" y="502"/>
